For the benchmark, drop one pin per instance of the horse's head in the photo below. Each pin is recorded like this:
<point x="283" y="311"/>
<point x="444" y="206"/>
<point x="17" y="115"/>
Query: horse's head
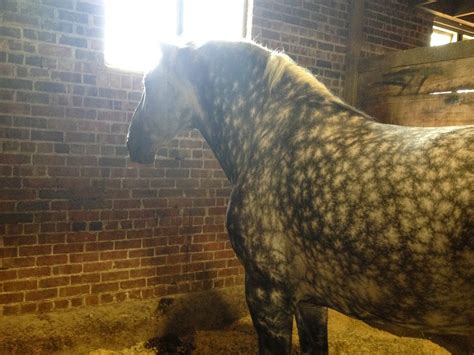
<point x="169" y="104"/>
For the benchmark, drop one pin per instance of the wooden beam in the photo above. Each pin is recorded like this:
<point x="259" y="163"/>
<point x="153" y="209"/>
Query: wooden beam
<point x="454" y="25"/>
<point x="458" y="50"/>
<point x="354" y="47"/>
<point x="464" y="8"/>
<point x="449" y="17"/>
<point x="425" y="2"/>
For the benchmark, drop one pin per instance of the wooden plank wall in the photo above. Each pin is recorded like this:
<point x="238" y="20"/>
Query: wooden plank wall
<point x="419" y="87"/>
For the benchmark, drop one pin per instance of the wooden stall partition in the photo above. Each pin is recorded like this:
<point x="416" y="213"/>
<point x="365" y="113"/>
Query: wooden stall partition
<point x="430" y="86"/>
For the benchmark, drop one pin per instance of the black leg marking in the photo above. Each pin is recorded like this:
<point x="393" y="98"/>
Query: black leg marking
<point x="312" y="328"/>
<point x="272" y="316"/>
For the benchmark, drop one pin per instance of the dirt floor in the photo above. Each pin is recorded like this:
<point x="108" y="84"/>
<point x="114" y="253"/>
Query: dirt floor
<point x="112" y="329"/>
<point x="346" y="336"/>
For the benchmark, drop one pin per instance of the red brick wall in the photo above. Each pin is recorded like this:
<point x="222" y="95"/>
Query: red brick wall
<point x="79" y="223"/>
<point x="315" y="33"/>
<point x="394" y="25"/>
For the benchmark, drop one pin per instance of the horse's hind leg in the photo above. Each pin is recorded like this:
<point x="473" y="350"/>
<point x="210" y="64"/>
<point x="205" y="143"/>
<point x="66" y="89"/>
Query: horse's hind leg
<point x="272" y="316"/>
<point x="312" y="328"/>
<point x="455" y="344"/>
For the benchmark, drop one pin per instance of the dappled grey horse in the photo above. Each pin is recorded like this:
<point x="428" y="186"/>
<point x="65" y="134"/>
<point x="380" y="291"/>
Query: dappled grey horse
<point x="329" y="208"/>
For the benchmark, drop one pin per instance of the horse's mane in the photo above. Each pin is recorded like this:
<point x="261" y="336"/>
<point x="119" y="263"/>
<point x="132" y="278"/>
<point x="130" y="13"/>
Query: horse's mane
<point x="279" y="64"/>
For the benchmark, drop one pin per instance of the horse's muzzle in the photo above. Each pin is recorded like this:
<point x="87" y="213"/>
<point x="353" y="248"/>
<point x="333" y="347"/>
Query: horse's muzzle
<point x="138" y="154"/>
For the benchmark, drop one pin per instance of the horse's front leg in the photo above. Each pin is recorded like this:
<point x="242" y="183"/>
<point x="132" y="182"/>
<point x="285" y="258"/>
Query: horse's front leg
<point x="312" y="325"/>
<point x="272" y="315"/>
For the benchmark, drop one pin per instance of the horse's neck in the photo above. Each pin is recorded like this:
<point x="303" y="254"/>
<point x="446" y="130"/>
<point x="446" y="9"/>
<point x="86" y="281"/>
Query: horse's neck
<point x="232" y="101"/>
<point x="241" y="111"/>
<point x="228" y="129"/>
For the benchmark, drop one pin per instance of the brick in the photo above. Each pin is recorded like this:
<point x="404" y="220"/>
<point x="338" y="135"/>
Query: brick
<point x="67" y="77"/>
<point x="80" y="137"/>
<point x="15" y="297"/>
<point x="89" y="8"/>
<point x="48" y="111"/>
<point x="127" y="264"/>
<point x="85" y="279"/>
<point x="41" y="294"/>
<point x="114" y="276"/>
<point x="11" y="182"/>
<point x="105" y="287"/>
<point x="34" y="272"/>
<point x="98" y="103"/>
<point x="20" y="19"/>
<point x="61" y="148"/>
<point x="73" y="16"/>
<point x="74" y="291"/>
<point x="95" y="226"/>
<point x="54" y="282"/>
<point x="15" y="108"/>
<point x="128" y="244"/>
<point x="33" y="206"/>
<point x="34" y="122"/>
<point x="98" y="266"/>
<point x="89" y="79"/>
<point x="9" y="310"/>
<point x="49" y="87"/>
<point x="9" y="32"/>
<point x="16" y="240"/>
<point x="143" y="272"/>
<point x="133" y="284"/>
<point x="51" y="238"/>
<point x="78" y="226"/>
<point x="35" y="250"/>
<point x="68" y="248"/>
<point x="16" y="84"/>
<point x="63" y="4"/>
<point x="54" y="51"/>
<point x="51" y="260"/>
<point x="81" y="113"/>
<point x="160" y="260"/>
<point x="12" y="286"/>
<point x="45" y="307"/>
<point x="73" y="41"/>
<point x="6" y="275"/>
<point x="28" y="308"/>
<point x="6" y="95"/>
<point x="113" y="255"/>
<point x="54" y="136"/>
<point x="67" y="269"/>
<point x="13" y="218"/>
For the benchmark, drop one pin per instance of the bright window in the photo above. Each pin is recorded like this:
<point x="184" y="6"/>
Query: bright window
<point x="441" y="36"/>
<point x="134" y="28"/>
<point x="467" y="38"/>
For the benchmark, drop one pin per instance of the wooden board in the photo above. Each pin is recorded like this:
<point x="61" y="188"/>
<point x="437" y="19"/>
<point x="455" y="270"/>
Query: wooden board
<point x="405" y="87"/>
<point x="424" y="110"/>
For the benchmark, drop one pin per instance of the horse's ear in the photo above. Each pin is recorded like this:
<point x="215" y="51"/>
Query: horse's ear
<point x="169" y="52"/>
<point x="188" y="61"/>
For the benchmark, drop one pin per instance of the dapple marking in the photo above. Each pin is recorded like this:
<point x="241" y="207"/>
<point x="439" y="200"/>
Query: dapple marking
<point x="329" y="208"/>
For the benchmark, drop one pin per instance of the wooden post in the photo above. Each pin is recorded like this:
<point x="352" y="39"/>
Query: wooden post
<point x="354" y="46"/>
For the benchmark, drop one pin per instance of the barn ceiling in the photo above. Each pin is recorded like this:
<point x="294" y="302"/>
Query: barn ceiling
<point x="459" y="11"/>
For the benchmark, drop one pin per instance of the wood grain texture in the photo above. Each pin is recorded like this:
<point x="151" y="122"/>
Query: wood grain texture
<point x="420" y="87"/>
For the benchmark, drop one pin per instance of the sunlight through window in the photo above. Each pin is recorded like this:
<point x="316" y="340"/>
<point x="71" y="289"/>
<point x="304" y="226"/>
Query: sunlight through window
<point x="442" y="36"/>
<point x="133" y="29"/>
<point x="213" y="19"/>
